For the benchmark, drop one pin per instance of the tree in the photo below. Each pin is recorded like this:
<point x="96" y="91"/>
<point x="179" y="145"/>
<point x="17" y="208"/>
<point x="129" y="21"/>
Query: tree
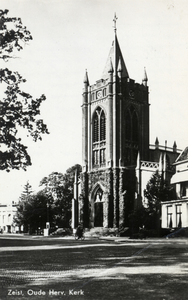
<point x="18" y="109"/>
<point x="52" y="204"/>
<point x="157" y="190"/>
<point x="33" y="213"/>
<point x="26" y="192"/>
<point x="60" y="187"/>
<point x="138" y="218"/>
<point x="19" y="219"/>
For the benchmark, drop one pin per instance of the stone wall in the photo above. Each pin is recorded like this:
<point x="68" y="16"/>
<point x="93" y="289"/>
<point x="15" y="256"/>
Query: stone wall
<point x="118" y="186"/>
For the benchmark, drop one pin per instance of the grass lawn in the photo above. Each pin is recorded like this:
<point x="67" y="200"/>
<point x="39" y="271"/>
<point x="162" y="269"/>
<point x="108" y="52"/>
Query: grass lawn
<point x="93" y="269"/>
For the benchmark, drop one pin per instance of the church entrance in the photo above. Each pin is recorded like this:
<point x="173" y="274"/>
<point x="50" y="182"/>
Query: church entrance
<point x="98" y="209"/>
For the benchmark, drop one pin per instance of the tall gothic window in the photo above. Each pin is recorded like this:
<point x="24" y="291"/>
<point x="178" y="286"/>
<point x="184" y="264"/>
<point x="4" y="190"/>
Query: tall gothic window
<point x="95" y="127"/>
<point x="102" y="126"/>
<point x="131" y="136"/>
<point x="128" y="125"/>
<point x="134" y="127"/>
<point x="99" y="138"/>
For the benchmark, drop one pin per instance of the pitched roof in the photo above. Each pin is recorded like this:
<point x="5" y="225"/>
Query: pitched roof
<point x="113" y="58"/>
<point x="183" y="155"/>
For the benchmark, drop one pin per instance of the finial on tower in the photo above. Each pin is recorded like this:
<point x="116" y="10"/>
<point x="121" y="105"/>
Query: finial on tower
<point x="86" y="80"/>
<point x="156" y="143"/>
<point x="115" y="20"/>
<point x="119" y="69"/>
<point x="174" y="146"/>
<point x="145" y="78"/>
<point x="111" y="70"/>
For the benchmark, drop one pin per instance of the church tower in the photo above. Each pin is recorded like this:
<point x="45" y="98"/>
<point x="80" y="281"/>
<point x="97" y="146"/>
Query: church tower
<point x="115" y="128"/>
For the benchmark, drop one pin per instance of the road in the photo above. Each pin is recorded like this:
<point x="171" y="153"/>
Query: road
<point x="62" y="268"/>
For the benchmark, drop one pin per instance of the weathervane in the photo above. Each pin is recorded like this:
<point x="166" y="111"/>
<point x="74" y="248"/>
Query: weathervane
<point x="114" y="20"/>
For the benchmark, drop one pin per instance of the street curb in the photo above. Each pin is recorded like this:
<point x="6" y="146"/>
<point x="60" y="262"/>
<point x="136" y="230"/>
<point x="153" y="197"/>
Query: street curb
<point x="153" y="241"/>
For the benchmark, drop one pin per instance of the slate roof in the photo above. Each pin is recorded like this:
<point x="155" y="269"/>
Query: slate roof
<point x="113" y="60"/>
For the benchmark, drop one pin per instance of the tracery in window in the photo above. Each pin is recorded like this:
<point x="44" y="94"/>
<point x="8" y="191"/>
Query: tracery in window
<point x="99" y="137"/>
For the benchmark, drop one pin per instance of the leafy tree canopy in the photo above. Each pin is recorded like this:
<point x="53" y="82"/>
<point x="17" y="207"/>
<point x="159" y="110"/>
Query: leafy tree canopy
<point x="57" y="194"/>
<point x="60" y="187"/>
<point x="13" y="35"/>
<point x="32" y="213"/>
<point x="18" y="109"/>
<point x="157" y="190"/>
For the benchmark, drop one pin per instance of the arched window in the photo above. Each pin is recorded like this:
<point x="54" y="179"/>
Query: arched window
<point x="102" y="126"/>
<point x="131" y="136"/>
<point x="95" y="127"/>
<point x="99" y="195"/>
<point x="98" y="208"/>
<point x="131" y="125"/>
<point x="99" y="137"/>
<point x="134" y="127"/>
<point x="128" y="125"/>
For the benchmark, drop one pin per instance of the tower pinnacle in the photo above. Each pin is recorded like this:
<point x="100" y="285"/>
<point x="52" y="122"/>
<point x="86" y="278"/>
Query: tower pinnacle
<point x="86" y="80"/>
<point x="145" y="78"/>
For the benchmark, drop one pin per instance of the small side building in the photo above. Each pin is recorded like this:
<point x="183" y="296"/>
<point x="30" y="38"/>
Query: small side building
<point x="7" y="213"/>
<point x="175" y="212"/>
<point x="161" y="159"/>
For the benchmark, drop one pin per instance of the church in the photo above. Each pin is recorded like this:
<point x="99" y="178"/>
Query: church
<point x="117" y="158"/>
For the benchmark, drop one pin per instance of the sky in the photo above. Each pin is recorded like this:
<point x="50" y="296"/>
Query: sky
<point x="70" y="36"/>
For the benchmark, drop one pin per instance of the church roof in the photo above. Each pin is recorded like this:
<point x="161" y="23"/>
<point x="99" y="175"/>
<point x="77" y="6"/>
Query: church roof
<point x="183" y="155"/>
<point x="113" y="59"/>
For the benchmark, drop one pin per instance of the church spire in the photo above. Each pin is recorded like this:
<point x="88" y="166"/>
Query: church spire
<point x="114" y="57"/>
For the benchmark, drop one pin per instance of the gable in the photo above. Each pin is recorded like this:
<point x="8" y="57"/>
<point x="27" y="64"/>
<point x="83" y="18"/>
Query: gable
<point x="183" y="156"/>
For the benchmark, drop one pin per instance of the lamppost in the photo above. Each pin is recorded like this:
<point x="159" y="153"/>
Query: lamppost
<point x="47" y="209"/>
<point x="46" y="230"/>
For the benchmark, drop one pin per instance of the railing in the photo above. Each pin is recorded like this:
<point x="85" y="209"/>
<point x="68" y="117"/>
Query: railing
<point x="153" y="147"/>
<point x="148" y="164"/>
